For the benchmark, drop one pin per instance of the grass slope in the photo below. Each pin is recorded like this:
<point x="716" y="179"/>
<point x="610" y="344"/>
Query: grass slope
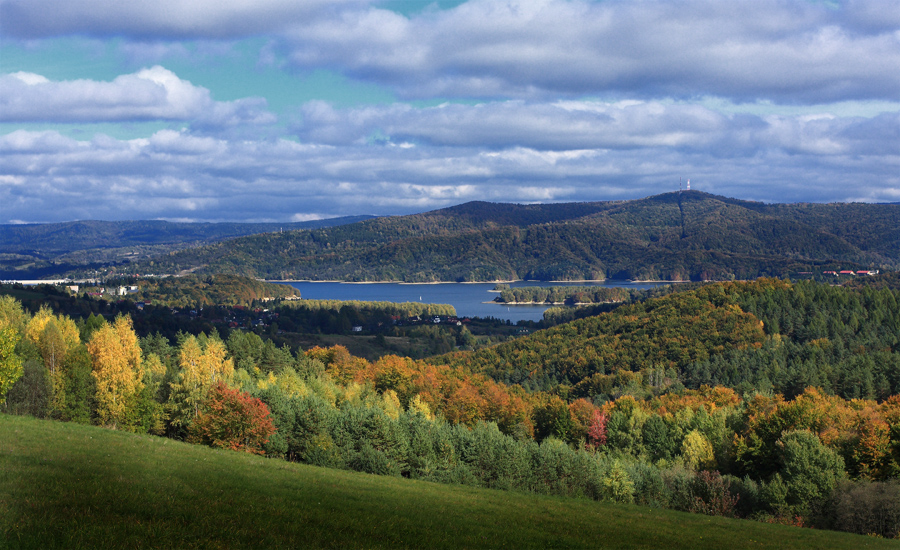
<point x="72" y="486"/>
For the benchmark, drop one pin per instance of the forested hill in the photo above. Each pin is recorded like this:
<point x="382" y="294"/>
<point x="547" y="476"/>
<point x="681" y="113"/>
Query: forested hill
<point x="674" y="236"/>
<point x="767" y="335"/>
<point x="37" y="250"/>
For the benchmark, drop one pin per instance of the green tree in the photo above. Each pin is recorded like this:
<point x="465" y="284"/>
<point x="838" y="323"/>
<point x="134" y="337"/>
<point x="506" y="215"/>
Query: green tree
<point x="810" y="470"/>
<point x="617" y="485"/>
<point x="10" y="363"/>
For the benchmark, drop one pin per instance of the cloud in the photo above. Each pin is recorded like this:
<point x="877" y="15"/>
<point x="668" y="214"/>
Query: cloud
<point x="793" y="51"/>
<point x="182" y="174"/>
<point x="160" y="19"/>
<point x="560" y="125"/>
<point x="149" y="94"/>
<point x="787" y="51"/>
<point x="544" y="100"/>
<point x="589" y="125"/>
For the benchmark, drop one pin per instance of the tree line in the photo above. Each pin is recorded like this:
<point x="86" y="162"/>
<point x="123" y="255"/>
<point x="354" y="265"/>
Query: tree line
<point x="564" y="295"/>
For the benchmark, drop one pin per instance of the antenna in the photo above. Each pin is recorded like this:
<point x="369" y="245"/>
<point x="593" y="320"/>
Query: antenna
<point x="689" y="185"/>
<point x="679" y="185"/>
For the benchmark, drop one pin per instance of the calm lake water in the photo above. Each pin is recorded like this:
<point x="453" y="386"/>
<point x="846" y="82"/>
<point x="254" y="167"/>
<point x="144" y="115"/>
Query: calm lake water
<point x="468" y="298"/>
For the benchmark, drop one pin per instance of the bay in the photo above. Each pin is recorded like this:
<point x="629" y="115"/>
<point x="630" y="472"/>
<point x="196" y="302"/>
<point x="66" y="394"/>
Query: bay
<point x="469" y="299"/>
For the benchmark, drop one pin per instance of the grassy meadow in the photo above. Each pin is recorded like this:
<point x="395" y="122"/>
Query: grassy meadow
<point x="72" y="486"/>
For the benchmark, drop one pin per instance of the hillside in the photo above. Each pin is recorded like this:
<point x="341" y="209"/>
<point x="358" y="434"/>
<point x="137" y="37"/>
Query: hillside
<point x="765" y="334"/>
<point x="71" y="486"/>
<point x="40" y="250"/>
<point x="675" y="236"/>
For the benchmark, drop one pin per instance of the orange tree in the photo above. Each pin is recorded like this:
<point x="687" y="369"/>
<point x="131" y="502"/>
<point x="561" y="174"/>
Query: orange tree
<point x="232" y="419"/>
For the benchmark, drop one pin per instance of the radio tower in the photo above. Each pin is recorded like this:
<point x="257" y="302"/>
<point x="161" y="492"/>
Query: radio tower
<point x="689" y="185"/>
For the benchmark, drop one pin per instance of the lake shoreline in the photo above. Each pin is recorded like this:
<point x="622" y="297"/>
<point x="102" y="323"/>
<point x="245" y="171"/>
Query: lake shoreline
<point x="636" y="282"/>
<point x="550" y="303"/>
<point x="469" y="300"/>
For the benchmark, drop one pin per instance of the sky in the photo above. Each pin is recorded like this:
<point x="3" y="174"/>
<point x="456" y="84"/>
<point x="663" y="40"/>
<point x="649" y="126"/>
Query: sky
<point x="290" y="110"/>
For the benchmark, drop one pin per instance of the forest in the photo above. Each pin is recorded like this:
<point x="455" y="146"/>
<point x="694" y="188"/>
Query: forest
<point x="689" y="236"/>
<point x="571" y="295"/>
<point x="207" y="290"/>
<point x="768" y="335"/>
<point x="46" y="250"/>
<point x="771" y="400"/>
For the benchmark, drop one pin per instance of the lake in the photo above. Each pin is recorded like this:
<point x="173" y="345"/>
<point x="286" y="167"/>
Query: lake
<point x="469" y="299"/>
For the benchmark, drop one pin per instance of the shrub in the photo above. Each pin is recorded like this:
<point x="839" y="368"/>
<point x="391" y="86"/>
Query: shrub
<point x="617" y="485"/>
<point x="711" y="495"/>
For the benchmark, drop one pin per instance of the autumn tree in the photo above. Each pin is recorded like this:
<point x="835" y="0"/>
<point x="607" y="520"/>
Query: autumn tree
<point x="12" y="315"/>
<point x="55" y="337"/>
<point x="118" y="371"/>
<point x="10" y="363"/>
<point x="596" y="434"/>
<point x="12" y="325"/>
<point x="697" y="451"/>
<point x="200" y="368"/>
<point x="232" y="419"/>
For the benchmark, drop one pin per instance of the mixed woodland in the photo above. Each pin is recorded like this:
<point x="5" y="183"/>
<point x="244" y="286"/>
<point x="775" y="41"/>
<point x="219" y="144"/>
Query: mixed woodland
<point x="686" y="236"/>
<point x="771" y="400"/>
<point x="36" y="251"/>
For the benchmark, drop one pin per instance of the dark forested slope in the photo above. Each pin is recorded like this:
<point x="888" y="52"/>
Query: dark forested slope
<point x="675" y="236"/>
<point x="41" y="250"/>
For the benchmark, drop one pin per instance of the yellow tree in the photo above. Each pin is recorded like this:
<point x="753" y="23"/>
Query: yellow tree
<point x="12" y="325"/>
<point x="12" y="315"/>
<point x="697" y="451"/>
<point x="10" y="363"/>
<point x="201" y="367"/>
<point x="54" y="336"/>
<point x="118" y="370"/>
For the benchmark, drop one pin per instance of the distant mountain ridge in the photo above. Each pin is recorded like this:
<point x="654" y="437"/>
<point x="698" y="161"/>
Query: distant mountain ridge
<point x="35" y="250"/>
<point x="79" y="235"/>
<point x="687" y="235"/>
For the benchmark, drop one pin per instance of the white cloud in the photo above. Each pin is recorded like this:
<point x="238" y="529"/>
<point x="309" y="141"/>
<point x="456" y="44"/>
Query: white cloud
<point x="789" y="51"/>
<point x="173" y="174"/>
<point x="739" y="96"/>
<point x="571" y="127"/>
<point x="150" y="94"/>
<point x="793" y="51"/>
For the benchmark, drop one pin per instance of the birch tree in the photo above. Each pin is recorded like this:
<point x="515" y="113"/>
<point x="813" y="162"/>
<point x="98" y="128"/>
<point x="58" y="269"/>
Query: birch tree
<point x="117" y="369"/>
<point x="201" y="367"/>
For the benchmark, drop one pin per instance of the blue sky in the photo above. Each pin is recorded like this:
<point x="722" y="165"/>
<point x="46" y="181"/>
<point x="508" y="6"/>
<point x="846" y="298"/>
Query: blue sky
<point x="279" y="110"/>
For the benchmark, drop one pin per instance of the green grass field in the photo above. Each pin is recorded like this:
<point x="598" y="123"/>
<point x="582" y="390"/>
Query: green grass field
<point x="71" y="486"/>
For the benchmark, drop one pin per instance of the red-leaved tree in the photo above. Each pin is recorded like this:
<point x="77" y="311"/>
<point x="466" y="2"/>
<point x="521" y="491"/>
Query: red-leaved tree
<point x="232" y="419"/>
<point x="597" y="431"/>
